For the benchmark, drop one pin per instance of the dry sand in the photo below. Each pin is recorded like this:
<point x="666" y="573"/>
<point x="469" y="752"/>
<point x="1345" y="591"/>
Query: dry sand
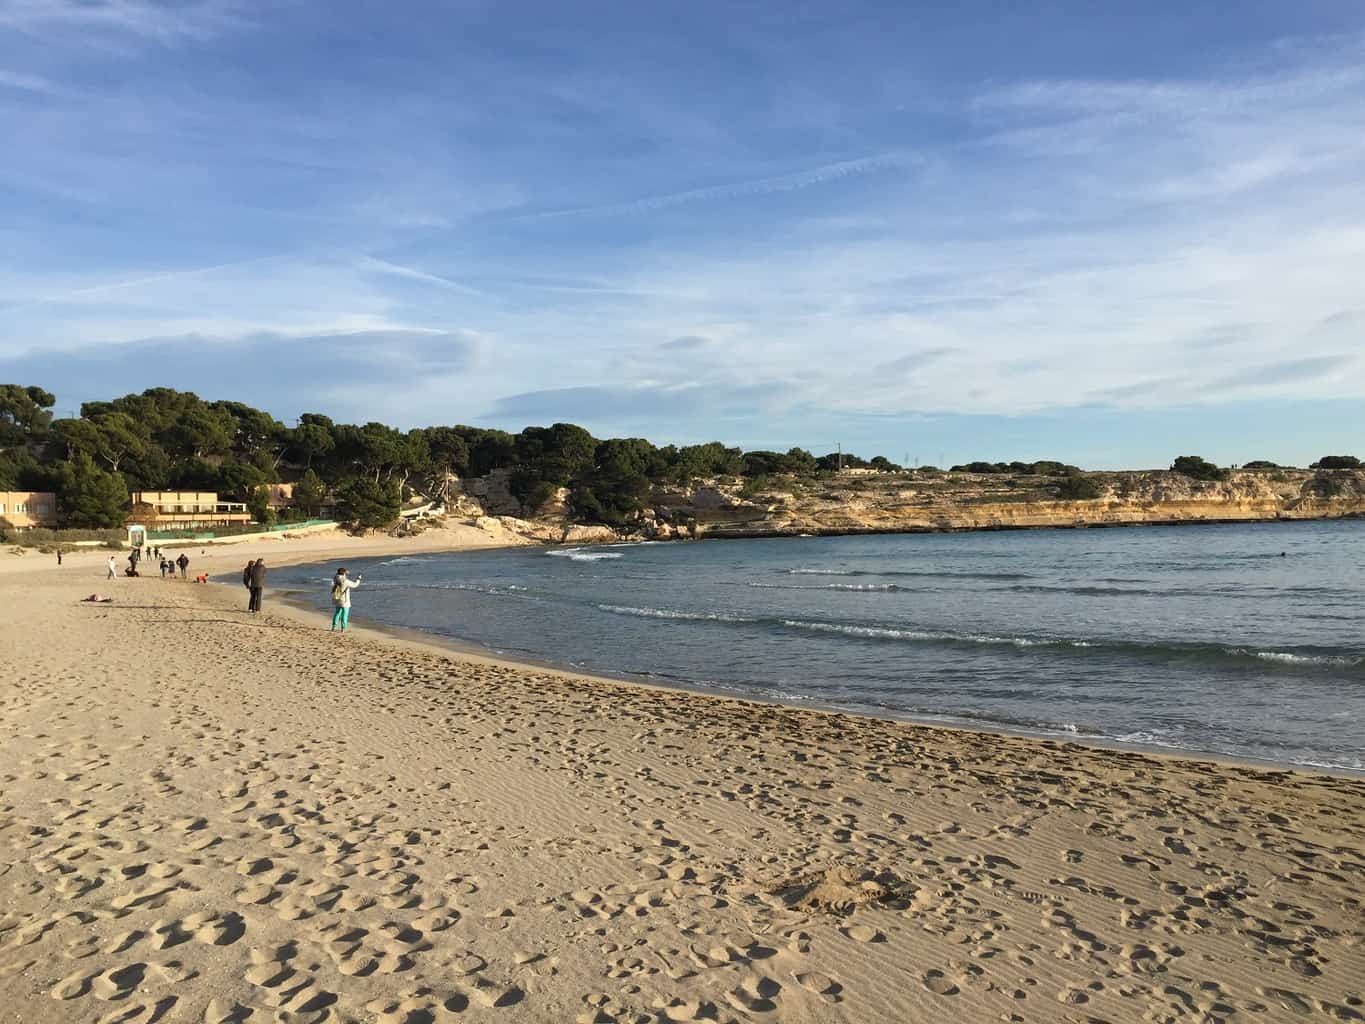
<point x="206" y="817"/>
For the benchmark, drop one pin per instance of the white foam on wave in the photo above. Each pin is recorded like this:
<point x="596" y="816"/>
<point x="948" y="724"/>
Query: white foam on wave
<point x="665" y="613"/>
<point x="402" y="560"/>
<point x="579" y="555"/>
<point x="853" y="587"/>
<point x="1289" y="658"/>
<point x="886" y="633"/>
<point x="816" y="572"/>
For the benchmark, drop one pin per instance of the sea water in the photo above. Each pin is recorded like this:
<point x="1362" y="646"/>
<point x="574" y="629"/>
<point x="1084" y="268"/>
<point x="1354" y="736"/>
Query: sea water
<point x="1238" y="640"/>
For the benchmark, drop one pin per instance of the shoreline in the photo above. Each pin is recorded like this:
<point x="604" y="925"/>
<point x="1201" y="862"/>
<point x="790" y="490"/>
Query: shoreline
<point x="815" y="531"/>
<point x="216" y="817"/>
<point x="304" y="613"/>
<point x="471" y="537"/>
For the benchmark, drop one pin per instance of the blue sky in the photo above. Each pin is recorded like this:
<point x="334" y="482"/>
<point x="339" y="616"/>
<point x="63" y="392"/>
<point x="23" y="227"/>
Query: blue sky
<point x="1105" y="233"/>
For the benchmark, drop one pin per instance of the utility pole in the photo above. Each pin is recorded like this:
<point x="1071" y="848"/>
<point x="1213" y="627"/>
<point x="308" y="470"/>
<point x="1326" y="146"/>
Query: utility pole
<point x="841" y="456"/>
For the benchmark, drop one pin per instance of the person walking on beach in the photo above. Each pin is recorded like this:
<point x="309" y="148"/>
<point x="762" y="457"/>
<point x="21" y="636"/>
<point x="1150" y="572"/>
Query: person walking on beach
<point x="342" y="585"/>
<point x="184" y="562"/>
<point x="257" y="582"/>
<point x="59" y="556"/>
<point x="164" y="566"/>
<point x="112" y="572"/>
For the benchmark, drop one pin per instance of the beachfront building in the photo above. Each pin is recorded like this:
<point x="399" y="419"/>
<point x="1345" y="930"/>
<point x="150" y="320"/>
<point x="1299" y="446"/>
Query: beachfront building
<point x="281" y="495"/>
<point x="185" y="510"/>
<point x="20" y="510"/>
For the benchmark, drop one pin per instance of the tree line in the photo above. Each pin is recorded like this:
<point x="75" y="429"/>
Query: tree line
<point x="163" y="439"/>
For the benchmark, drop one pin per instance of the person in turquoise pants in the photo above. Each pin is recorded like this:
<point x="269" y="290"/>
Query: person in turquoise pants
<point x="342" y="585"/>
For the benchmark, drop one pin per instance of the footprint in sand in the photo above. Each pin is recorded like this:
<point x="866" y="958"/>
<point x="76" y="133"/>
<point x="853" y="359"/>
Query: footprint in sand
<point x="939" y="983"/>
<point x="863" y="933"/>
<point x="821" y="984"/>
<point x="118" y="982"/>
<point x="223" y="1011"/>
<point x="755" y="994"/>
<point x="72" y="986"/>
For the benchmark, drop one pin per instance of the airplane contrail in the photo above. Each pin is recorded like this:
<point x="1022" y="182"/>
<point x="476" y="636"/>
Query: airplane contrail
<point x="757" y="186"/>
<point x="169" y="275"/>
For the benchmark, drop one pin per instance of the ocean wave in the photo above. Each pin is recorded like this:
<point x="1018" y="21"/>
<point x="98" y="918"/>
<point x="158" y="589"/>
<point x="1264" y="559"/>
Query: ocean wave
<point x="402" y="560"/>
<point x="951" y="574"/>
<point x="890" y="633"/>
<point x="579" y="555"/>
<point x="666" y="613"/>
<point x="1083" y="591"/>
<point x="1175" y="650"/>
<point x="885" y="588"/>
<point x="1290" y="658"/>
<point x="506" y="590"/>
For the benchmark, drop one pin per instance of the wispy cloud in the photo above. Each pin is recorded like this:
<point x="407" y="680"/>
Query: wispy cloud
<point x="414" y="274"/>
<point x="824" y="174"/>
<point x="25" y="82"/>
<point x="1285" y="371"/>
<point x="354" y="373"/>
<point x="687" y="343"/>
<point x="85" y="293"/>
<point x="112" y="22"/>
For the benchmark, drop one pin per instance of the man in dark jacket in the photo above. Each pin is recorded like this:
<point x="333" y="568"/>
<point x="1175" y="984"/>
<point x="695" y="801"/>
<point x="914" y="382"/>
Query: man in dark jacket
<point x="184" y="562"/>
<point x="257" y="584"/>
<point x="246" y="579"/>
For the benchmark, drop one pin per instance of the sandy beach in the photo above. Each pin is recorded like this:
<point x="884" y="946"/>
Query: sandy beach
<point x="212" y="817"/>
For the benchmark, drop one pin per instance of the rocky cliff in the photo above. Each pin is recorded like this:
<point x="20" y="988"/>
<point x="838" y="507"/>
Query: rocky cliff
<point x="919" y="502"/>
<point x="887" y="503"/>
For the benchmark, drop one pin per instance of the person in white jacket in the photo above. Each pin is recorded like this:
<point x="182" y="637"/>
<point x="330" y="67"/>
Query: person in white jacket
<point x="112" y="570"/>
<point x="342" y="585"/>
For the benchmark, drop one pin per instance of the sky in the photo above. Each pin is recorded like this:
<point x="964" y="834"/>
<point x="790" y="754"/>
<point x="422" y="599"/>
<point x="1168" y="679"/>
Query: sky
<point x="1105" y="233"/>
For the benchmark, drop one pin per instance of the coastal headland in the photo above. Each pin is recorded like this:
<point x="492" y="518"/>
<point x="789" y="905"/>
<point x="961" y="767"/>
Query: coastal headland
<point x="916" y="502"/>
<point x="208" y="817"/>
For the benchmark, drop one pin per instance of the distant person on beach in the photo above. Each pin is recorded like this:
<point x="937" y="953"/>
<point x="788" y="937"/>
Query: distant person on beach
<point x="59" y="556"/>
<point x="257" y="583"/>
<point x="164" y="566"/>
<point x="246" y="577"/>
<point x="184" y="562"/>
<point x="342" y="585"/>
<point x="112" y="570"/>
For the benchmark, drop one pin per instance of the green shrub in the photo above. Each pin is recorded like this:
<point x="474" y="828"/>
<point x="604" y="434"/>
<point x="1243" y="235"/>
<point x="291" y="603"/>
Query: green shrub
<point x="1077" y="488"/>
<point x="367" y="503"/>
<point x="1196" y="468"/>
<point x="1336" y="462"/>
<point x="755" y="485"/>
<point x="1325" y="485"/>
<point x="37" y="537"/>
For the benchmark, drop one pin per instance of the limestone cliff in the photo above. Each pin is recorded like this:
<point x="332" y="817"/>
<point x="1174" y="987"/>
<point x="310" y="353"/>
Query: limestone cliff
<point x="910" y="502"/>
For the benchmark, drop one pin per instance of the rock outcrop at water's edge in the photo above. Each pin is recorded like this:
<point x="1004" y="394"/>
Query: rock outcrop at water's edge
<point x="911" y="502"/>
<point x="891" y="504"/>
